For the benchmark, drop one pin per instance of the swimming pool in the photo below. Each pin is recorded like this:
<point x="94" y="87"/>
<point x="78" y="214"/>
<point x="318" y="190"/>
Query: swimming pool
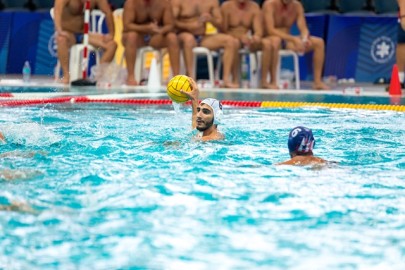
<point x="123" y="186"/>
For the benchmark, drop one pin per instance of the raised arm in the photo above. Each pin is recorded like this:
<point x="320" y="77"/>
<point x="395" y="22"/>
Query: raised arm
<point x="194" y="96"/>
<point x="2" y="137"/>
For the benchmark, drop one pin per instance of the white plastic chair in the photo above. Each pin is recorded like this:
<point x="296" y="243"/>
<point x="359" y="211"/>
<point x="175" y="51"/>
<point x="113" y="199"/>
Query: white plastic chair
<point x="76" y="51"/>
<point x="210" y="61"/>
<point x="287" y="53"/>
<point x="253" y="60"/>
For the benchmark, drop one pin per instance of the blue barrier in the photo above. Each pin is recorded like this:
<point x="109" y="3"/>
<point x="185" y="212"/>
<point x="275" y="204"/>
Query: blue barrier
<point x="361" y="47"/>
<point x="29" y="38"/>
<point x="5" y="26"/>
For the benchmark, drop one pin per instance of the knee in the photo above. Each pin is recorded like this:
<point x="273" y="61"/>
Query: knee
<point x="130" y="39"/>
<point x="62" y="40"/>
<point x="171" y="39"/>
<point x="189" y="42"/>
<point x="236" y="43"/>
<point x="113" y="45"/>
<point x="266" y="45"/>
<point x="318" y="43"/>
<point x="231" y="43"/>
<point x="275" y="43"/>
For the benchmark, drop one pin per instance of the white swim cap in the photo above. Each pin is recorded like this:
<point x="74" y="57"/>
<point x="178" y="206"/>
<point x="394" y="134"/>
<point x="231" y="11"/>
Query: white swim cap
<point x="216" y="108"/>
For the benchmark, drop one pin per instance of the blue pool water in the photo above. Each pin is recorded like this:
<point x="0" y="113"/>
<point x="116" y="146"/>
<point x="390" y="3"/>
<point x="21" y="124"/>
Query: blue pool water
<point x="113" y="187"/>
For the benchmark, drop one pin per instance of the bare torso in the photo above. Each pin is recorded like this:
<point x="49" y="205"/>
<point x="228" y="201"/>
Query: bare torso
<point x="148" y="11"/>
<point x="73" y="15"/>
<point x="284" y="16"/>
<point x="240" y="18"/>
<point x="191" y="11"/>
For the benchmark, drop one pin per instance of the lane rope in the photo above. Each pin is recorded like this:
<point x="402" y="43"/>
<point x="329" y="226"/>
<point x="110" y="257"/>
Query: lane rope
<point x="231" y="103"/>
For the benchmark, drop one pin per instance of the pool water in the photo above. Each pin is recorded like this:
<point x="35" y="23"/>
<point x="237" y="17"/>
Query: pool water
<point x="112" y="187"/>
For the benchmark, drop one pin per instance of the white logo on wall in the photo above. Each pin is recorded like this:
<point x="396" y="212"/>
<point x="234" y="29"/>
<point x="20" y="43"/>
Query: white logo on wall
<point x="382" y="49"/>
<point x="52" y="46"/>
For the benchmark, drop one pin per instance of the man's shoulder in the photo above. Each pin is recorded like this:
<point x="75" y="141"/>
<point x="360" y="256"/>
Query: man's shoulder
<point x="228" y="4"/>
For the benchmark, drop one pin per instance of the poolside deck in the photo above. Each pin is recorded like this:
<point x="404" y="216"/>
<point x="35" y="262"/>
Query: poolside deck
<point x="45" y="87"/>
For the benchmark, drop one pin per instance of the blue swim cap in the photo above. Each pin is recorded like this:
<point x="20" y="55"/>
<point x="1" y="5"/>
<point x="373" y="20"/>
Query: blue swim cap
<point x="301" y="140"/>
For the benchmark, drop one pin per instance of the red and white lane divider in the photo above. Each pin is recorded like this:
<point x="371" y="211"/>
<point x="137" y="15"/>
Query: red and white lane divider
<point x="85" y="62"/>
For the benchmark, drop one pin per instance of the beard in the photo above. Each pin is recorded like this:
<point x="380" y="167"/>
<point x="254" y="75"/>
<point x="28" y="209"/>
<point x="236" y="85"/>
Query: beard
<point x="207" y="126"/>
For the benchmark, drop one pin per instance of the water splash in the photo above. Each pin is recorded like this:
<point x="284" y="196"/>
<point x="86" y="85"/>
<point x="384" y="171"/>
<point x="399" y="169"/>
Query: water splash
<point x="30" y="134"/>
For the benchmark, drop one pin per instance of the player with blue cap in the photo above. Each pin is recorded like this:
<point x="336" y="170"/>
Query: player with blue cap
<point x="301" y="143"/>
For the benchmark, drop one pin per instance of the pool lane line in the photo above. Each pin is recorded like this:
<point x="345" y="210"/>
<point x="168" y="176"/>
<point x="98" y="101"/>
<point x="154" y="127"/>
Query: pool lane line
<point x="232" y="103"/>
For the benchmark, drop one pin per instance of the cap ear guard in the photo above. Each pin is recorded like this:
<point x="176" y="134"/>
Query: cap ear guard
<point x="218" y="116"/>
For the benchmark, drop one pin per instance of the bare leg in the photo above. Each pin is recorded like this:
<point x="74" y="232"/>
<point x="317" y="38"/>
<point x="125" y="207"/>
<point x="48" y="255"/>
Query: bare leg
<point x="217" y="41"/>
<point x="64" y="43"/>
<point x="274" y="61"/>
<point x="188" y="43"/>
<point x="318" y="60"/>
<point x="236" y="63"/>
<point x="400" y="52"/>
<point x="108" y="46"/>
<point x="130" y="42"/>
<point x="170" y="42"/>
<point x="271" y="47"/>
<point x="229" y="58"/>
<point x="172" y="45"/>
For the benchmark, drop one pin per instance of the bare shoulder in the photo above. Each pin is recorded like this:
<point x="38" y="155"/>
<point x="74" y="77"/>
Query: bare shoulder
<point x="304" y="161"/>
<point x="166" y="4"/>
<point x="268" y="4"/>
<point x="214" y="137"/>
<point x="298" y="5"/>
<point x="228" y="4"/>
<point x="213" y="3"/>
<point x="255" y="5"/>
<point x="129" y="4"/>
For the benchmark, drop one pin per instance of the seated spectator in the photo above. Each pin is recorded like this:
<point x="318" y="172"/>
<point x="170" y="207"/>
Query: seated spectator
<point x="69" y="27"/>
<point x="242" y="20"/>
<point x="149" y="22"/>
<point x="191" y="18"/>
<point x="279" y="17"/>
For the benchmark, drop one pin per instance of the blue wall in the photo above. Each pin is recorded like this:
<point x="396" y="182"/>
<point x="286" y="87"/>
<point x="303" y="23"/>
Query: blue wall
<point x="27" y="36"/>
<point x="361" y="47"/>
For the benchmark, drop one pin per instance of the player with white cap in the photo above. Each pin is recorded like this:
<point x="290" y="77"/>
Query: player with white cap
<point x="206" y="115"/>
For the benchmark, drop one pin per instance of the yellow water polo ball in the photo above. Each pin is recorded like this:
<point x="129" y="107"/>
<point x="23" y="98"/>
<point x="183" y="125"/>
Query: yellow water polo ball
<point x="177" y="83"/>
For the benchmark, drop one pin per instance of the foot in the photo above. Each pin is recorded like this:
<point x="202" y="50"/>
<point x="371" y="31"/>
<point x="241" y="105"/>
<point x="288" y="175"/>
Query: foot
<point x="320" y="86"/>
<point x="132" y="82"/>
<point x="230" y="85"/>
<point x="65" y="79"/>
<point x="270" y="86"/>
